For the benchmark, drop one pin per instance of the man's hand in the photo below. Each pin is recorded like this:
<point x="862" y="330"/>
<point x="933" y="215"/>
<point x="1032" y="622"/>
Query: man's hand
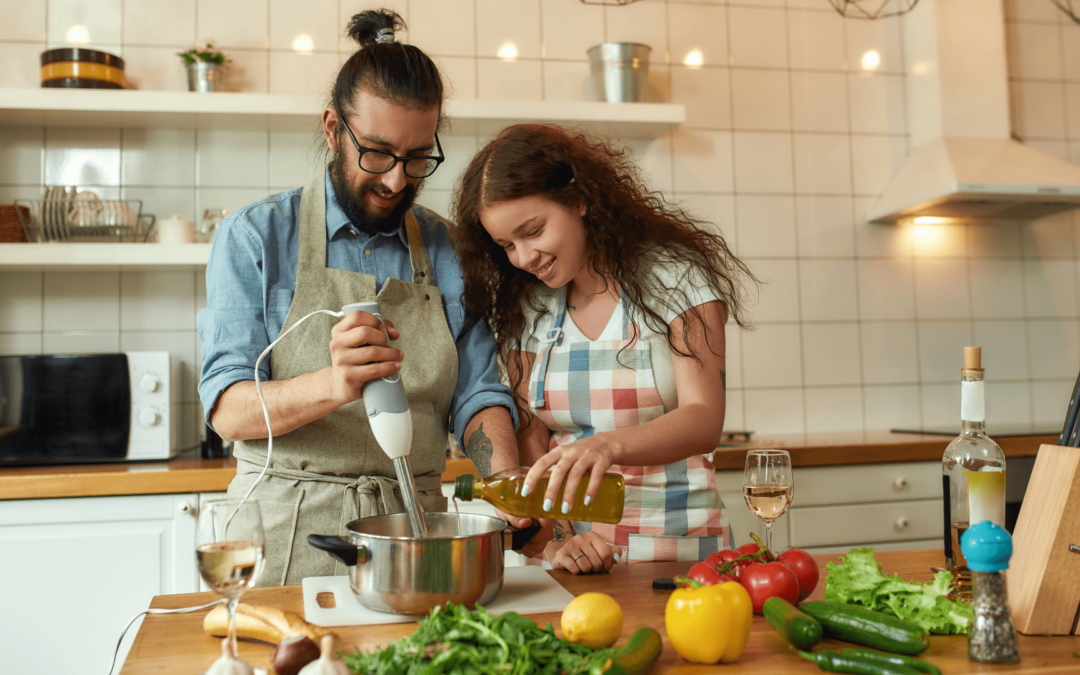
<point x="360" y="353"/>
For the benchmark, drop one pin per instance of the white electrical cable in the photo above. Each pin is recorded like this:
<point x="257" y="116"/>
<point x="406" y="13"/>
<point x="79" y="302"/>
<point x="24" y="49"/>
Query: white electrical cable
<point x="182" y="610"/>
<point x="269" y="451"/>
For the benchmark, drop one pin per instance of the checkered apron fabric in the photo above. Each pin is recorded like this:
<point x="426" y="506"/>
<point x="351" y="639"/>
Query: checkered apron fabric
<point x="579" y="389"/>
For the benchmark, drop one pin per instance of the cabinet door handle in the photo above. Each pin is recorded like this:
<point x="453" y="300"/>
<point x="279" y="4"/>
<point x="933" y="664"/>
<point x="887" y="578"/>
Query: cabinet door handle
<point x="902" y="523"/>
<point x="900" y="483"/>
<point x="187" y="508"/>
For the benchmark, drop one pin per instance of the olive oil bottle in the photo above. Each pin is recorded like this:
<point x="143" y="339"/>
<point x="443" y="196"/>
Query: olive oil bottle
<point x="503" y="491"/>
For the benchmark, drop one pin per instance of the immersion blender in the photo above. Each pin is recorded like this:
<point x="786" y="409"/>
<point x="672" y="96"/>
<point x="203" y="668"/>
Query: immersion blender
<point x="391" y="424"/>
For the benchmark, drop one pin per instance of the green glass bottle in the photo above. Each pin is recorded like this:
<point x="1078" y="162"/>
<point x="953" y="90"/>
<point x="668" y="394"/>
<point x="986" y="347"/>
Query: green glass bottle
<point x="503" y="491"/>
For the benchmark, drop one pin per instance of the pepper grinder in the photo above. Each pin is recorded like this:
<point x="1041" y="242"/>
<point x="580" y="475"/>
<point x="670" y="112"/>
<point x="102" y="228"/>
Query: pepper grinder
<point x="992" y="639"/>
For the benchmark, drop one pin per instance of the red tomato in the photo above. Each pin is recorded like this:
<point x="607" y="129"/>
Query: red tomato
<point x="705" y="573"/>
<point x="727" y="555"/>
<point x="805" y="569"/>
<point x="752" y="547"/>
<point x="767" y="580"/>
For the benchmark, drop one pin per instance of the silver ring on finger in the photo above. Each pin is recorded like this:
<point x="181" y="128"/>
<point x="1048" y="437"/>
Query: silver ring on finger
<point x="578" y="556"/>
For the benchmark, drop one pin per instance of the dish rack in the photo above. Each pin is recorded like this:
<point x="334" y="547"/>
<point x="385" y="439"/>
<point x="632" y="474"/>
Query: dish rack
<point x="67" y="218"/>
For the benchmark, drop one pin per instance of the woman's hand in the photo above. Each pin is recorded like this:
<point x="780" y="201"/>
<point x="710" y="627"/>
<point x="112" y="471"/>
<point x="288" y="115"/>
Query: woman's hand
<point x="593" y="455"/>
<point x="586" y="553"/>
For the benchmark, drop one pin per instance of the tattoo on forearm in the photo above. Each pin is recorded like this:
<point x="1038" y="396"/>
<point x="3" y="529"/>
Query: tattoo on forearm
<point x="723" y="379"/>
<point x="479" y="450"/>
<point x="560" y="533"/>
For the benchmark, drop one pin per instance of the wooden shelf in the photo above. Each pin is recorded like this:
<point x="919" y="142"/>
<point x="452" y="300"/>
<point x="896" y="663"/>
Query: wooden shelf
<point x="90" y="257"/>
<point x="280" y="112"/>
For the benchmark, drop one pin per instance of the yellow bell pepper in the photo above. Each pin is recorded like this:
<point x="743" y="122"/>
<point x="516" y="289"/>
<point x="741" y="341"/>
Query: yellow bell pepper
<point x="706" y="624"/>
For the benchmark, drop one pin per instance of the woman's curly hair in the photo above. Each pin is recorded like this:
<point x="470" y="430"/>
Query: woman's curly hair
<point x="629" y="231"/>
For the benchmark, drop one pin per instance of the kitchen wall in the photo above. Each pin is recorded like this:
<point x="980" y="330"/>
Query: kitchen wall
<point x="795" y="121"/>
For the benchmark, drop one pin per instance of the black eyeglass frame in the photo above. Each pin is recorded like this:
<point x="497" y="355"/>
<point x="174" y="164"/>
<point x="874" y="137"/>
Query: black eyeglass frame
<point x="362" y="150"/>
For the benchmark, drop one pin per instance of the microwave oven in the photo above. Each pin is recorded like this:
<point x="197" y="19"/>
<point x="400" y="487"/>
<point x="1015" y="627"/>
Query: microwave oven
<point x="81" y="408"/>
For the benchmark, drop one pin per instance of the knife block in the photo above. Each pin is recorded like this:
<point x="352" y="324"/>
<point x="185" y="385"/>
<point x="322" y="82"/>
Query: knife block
<point x="1044" y="575"/>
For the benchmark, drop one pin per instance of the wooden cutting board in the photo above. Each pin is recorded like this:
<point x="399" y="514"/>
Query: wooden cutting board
<point x="526" y="590"/>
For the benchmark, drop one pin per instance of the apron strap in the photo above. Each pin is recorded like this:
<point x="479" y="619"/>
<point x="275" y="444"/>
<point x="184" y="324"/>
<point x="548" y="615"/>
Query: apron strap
<point x="313" y="237"/>
<point x="421" y="261"/>
<point x="548" y="341"/>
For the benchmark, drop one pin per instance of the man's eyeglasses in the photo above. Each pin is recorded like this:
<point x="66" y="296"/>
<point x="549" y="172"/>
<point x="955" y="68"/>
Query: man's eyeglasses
<point x="380" y="161"/>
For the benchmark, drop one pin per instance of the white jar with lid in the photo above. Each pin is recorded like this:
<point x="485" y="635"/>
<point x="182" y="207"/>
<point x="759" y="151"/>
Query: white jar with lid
<point x="175" y="230"/>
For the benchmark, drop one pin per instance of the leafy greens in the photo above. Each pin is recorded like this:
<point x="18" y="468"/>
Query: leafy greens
<point x="458" y="641"/>
<point x="857" y="580"/>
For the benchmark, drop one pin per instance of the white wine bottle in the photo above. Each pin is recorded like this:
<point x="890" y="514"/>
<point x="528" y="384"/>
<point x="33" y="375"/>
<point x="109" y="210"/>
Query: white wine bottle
<point x="973" y="471"/>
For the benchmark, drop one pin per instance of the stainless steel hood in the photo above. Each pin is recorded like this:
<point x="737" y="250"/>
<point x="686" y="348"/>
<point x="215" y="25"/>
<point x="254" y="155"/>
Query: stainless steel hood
<point x="965" y="164"/>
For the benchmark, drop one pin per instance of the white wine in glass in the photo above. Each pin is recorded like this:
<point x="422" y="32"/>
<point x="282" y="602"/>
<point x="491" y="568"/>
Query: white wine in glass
<point x="767" y="486"/>
<point x="229" y="552"/>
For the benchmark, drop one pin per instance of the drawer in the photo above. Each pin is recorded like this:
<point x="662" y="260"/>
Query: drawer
<point x="915" y="545"/>
<point x="856" y="484"/>
<point x="867" y="483"/>
<point x="860" y="523"/>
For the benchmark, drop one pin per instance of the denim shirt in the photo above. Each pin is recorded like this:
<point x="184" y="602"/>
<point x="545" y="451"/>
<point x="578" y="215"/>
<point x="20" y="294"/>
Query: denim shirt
<point x="251" y="276"/>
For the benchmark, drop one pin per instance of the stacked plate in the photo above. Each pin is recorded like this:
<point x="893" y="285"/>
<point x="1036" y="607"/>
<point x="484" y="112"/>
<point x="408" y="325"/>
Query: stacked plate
<point x="66" y="213"/>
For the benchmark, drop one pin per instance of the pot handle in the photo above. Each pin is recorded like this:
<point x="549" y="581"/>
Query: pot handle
<point x="518" y="538"/>
<point x="348" y="553"/>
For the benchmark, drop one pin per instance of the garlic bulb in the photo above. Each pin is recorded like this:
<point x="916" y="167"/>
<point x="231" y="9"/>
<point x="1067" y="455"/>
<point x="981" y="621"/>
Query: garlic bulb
<point x="327" y="664"/>
<point x="229" y="664"/>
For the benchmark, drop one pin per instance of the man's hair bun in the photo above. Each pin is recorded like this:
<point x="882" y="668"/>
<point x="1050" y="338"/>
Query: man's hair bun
<point x="365" y="26"/>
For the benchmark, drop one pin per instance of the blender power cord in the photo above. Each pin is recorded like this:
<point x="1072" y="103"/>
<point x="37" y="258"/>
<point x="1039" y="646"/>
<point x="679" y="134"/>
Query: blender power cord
<point x="269" y="452"/>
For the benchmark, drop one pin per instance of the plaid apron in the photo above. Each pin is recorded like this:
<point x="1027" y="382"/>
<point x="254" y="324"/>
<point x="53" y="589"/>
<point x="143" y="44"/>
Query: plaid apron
<point x="579" y="389"/>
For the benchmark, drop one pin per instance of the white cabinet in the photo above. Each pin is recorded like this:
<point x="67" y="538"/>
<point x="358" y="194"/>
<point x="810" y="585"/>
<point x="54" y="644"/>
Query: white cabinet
<point x="892" y="507"/>
<point x="75" y="571"/>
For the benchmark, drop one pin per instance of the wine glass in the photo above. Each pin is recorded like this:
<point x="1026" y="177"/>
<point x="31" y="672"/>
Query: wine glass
<point x="767" y="486"/>
<point x="229" y="551"/>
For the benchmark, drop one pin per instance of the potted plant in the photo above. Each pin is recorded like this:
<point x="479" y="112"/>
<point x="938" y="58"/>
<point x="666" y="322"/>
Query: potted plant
<point x="206" y="68"/>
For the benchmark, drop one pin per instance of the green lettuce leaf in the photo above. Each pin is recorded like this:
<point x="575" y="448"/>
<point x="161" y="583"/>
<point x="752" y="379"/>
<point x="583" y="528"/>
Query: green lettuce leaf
<point x="857" y="580"/>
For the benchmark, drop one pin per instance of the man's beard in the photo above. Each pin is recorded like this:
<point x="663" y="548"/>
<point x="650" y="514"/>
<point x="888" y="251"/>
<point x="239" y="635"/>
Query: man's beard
<point x="352" y="200"/>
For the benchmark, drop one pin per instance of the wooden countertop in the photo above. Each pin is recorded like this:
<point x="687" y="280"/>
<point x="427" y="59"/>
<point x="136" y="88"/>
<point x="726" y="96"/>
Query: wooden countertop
<point x="189" y="473"/>
<point x="865" y="447"/>
<point x="186" y="473"/>
<point x="175" y="644"/>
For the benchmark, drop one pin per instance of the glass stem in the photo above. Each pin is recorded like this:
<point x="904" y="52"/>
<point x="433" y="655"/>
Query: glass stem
<point x="768" y="534"/>
<point x="233" y="603"/>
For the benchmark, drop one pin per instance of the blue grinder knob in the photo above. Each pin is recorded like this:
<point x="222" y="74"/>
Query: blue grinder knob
<point x="987" y="547"/>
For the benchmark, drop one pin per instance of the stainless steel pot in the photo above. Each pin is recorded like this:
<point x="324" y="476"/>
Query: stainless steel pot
<point x="391" y="571"/>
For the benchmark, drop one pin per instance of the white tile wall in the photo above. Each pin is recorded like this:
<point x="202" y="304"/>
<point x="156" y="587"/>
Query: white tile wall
<point x="788" y="142"/>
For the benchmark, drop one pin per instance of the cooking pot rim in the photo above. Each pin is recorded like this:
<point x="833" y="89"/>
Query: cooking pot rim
<point x="497" y="526"/>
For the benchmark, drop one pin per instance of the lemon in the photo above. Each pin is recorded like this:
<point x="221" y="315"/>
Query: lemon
<point x="592" y="620"/>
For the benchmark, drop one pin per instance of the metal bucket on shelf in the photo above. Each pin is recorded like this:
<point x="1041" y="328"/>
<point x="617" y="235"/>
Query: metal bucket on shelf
<point x="206" y="77"/>
<point x="620" y="71"/>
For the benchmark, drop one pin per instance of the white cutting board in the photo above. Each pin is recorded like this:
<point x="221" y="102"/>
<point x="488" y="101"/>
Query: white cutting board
<point x="526" y="590"/>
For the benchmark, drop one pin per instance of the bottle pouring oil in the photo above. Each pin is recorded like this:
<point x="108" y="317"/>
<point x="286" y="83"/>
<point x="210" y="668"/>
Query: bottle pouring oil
<point x="503" y="491"/>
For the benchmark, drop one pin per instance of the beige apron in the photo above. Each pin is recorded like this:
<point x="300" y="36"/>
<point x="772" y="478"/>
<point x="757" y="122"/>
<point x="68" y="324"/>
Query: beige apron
<point x="332" y="471"/>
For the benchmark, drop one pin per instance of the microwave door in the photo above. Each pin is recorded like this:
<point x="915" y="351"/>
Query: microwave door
<point x="72" y="408"/>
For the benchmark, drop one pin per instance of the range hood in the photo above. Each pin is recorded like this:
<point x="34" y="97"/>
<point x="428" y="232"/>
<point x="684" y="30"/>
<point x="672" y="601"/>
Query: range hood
<point x="965" y="163"/>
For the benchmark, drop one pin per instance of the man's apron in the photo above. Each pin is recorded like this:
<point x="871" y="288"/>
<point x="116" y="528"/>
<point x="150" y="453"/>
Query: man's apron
<point x="332" y="471"/>
<point x="671" y="512"/>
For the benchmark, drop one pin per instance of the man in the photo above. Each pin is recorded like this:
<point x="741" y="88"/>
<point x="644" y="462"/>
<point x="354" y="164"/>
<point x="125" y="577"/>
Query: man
<point x="352" y="235"/>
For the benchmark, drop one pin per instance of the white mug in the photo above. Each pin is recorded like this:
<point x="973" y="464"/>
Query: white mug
<point x="175" y="230"/>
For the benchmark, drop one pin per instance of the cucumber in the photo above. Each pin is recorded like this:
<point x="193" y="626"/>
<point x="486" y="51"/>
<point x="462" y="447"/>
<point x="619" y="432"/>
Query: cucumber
<point x="636" y="657"/>
<point x="892" y="660"/>
<point x="797" y="628"/>
<point x="865" y="627"/>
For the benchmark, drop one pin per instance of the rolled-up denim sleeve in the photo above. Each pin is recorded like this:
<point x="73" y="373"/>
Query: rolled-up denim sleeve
<point x="232" y="328"/>
<point x="478" y="384"/>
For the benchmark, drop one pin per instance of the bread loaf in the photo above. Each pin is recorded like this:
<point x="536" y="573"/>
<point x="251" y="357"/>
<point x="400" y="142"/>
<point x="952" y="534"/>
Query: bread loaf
<point x="258" y="622"/>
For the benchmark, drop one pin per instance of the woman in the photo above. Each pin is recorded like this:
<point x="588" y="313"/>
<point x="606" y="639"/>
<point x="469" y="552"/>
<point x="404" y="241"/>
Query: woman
<point x="608" y="306"/>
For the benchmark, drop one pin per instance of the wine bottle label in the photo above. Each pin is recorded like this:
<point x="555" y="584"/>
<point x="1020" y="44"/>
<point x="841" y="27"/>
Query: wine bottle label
<point x="972" y="401"/>
<point x="986" y="496"/>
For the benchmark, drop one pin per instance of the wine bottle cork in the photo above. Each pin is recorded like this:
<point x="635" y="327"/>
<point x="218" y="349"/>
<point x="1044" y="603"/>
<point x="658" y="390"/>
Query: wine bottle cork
<point x="972" y="361"/>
